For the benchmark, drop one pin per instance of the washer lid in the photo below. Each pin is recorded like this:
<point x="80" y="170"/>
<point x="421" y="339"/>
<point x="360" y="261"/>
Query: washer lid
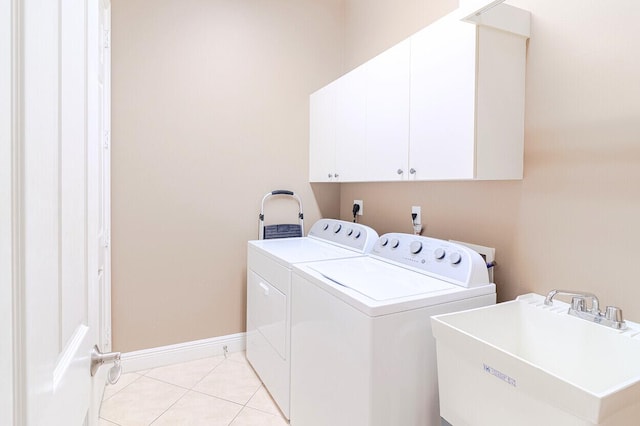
<point x="288" y="251"/>
<point x="378" y="280"/>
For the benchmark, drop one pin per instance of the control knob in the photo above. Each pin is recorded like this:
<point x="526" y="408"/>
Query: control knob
<point x="325" y="227"/>
<point x="455" y="258"/>
<point x="415" y="247"/>
<point x="337" y="228"/>
<point x="349" y="231"/>
<point x="395" y="243"/>
<point x="384" y="241"/>
<point x="439" y="253"/>
<point x="357" y="235"/>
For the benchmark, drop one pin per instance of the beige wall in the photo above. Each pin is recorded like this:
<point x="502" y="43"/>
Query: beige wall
<point x="210" y="112"/>
<point x="373" y="26"/>
<point x="573" y="222"/>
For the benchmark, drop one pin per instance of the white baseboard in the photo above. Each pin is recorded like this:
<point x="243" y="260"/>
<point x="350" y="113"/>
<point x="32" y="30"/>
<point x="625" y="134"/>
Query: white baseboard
<point x="181" y="352"/>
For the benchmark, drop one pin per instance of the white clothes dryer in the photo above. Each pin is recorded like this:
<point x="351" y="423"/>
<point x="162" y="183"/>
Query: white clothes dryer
<point x="269" y="265"/>
<point x="362" y="351"/>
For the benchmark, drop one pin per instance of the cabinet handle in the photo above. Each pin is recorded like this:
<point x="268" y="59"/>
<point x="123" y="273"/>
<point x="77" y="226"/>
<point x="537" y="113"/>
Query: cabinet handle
<point x="412" y="171"/>
<point x="400" y="171"/>
<point x="336" y="176"/>
<point x="329" y="175"/>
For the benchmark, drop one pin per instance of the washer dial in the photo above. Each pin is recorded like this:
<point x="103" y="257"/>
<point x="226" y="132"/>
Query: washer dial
<point x="415" y="247"/>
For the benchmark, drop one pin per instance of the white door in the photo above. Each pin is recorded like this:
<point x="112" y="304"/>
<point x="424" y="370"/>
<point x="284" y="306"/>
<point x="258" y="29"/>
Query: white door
<point x="350" y="126"/>
<point x="388" y="114"/>
<point x="443" y="82"/>
<point x="55" y="210"/>
<point x="104" y="173"/>
<point x="322" y="134"/>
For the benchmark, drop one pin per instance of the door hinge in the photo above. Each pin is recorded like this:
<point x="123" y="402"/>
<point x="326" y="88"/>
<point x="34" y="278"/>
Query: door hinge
<point x="106" y="139"/>
<point x="107" y="39"/>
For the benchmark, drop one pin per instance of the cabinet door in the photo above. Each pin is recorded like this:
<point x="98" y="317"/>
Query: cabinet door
<point x="388" y="114"/>
<point x="350" y="126"/>
<point x="442" y="117"/>
<point x="322" y="134"/>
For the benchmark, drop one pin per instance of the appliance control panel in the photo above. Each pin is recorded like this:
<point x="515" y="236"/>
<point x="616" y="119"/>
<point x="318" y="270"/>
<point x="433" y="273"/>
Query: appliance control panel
<point x="352" y="235"/>
<point x="431" y="256"/>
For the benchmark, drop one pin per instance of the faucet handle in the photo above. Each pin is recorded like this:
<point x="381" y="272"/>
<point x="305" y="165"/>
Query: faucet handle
<point x="613" y="313"/>
<point x="578" y="304"/>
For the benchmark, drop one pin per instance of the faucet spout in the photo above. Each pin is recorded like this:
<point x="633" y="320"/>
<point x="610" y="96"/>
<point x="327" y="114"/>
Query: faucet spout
<point x="595" y="303"/>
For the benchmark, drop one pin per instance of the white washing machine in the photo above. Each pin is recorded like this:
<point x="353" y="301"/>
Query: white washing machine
<point x="362" y="351"/>
<point x="269" y="265"/>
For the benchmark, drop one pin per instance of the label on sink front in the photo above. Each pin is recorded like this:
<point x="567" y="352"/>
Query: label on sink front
<point x="500" y="375"/>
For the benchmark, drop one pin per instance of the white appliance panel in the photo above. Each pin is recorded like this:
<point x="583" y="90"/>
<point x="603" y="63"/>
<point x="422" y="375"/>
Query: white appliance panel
<point x="379" y="280"/>
<point x="287" y="251"/>
<point x="268" y="310"/>
<point x="269" y="264"/>
<point x="362" y="351"/>
<point x="436" y="291"/>
<point x="348" y="368"/>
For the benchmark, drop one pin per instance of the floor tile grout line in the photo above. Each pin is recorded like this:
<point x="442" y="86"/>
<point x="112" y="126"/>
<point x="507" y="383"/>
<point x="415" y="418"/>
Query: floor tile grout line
<point x="192" y="389"/>
<point x="175" y="384"/>
<point x="119" y="390"/>
<point x="168" y="383"/>
<point x="207" y="374"/>
<point x="216" y="397"/>
<point x="168" y="408"/>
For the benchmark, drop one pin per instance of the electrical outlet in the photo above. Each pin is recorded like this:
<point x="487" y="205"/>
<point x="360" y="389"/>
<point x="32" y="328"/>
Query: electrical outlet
<point x="416" y="210"/>
<point x="361" y="204"/>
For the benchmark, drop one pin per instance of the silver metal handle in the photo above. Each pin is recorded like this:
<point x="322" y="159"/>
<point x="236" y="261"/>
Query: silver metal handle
<point x="613" y="313"/>
<point x="98" y="359"/>
<point x="578" y="303"/>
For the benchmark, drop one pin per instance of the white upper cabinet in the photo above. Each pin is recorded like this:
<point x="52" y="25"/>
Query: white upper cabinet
<point x="359" y="123"/>
<point x="387" y="118"/>
<point x="337" y="130"/>
<point x="322" y="134"/>
<point x="445" y="104"/>
<point x="467" y="102"/>
<point x="442" y="113"/>
<point x="350" y="122"/>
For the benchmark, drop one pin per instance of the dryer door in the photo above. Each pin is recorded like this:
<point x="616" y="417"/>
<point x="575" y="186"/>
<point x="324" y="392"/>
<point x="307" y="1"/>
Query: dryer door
<point x="267" y="312"/>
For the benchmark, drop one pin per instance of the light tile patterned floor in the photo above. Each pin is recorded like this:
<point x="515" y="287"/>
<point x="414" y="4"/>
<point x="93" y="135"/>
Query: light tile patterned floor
<point x="211" y="391"/>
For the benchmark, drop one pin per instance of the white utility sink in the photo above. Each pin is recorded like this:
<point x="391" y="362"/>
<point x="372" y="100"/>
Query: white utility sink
<point x="524" y="363"/>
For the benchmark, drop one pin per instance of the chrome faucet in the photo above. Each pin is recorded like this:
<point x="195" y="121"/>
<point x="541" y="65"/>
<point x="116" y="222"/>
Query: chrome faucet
<point x="578" y="296"/>
<point x="612" y="316"/>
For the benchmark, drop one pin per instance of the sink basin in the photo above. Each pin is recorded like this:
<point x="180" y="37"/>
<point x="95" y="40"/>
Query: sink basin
<point x="524" y="363"/>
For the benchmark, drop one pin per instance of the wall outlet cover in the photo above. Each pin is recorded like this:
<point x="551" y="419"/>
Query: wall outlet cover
<point x="361" y="204"/>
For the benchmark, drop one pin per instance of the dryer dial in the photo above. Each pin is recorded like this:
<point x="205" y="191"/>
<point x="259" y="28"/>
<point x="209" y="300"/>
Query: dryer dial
<point x="336" y="228"/>
<point x="439" y="253"/>
<point x="415" y="247"/>
<point x="455" y="258"/>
